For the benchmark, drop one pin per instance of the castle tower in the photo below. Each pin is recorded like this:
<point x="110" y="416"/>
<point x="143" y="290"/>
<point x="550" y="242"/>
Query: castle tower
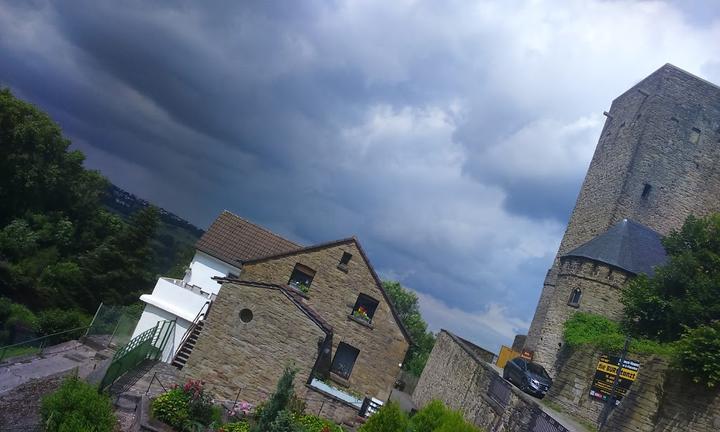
<point x="657" y="161"/>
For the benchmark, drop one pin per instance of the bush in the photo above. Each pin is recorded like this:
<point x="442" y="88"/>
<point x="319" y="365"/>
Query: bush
<point x="284" y="422"/>
<point x="12" y="317"/>
<point x="187" y="407"/>
<point x="277" y="403"/>
<point x="241" y="426"/>
<point x="698" y="354"/>
<point x="597" y="331"/>
<point x="57" y="320"/>
<point x="172" y="408"/>
<point x="389" y="419"/>
<point x="77" y="406"/>
<point x="313" y="423"/>
<point x="429" y="418"/>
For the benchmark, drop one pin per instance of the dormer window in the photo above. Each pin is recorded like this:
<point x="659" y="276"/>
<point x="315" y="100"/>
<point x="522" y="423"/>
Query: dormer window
<point x="365" y="308"/>
<point x="301" y="278"/>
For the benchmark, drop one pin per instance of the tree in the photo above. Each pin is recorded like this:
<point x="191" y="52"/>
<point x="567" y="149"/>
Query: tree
<point x="685" y="292"/>
<point x="408" y="309"/>
<point x="58" y="246"/>
<point x="274" y="414"/>
<point x="680" y="303"/>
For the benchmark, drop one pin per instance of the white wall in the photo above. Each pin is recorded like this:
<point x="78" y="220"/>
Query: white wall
<point x="149" y="319"/>
<point x="203" y="268"/>
<point x="173" y="299"/>
<point x="170" y="301"/>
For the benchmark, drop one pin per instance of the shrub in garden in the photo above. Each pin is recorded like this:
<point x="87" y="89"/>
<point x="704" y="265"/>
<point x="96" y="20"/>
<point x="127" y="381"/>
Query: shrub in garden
<point x="241" y="426"/>
<point x="77" y="406"/>
<point x="284" y="422"/>
<point x="313" y="423"/>
<point x="186" y="408"/>
<point x="434" y="417"/>
<point x="388" y="419"/>
<point x="277" y="403"/>
<point x="429" y="418"/>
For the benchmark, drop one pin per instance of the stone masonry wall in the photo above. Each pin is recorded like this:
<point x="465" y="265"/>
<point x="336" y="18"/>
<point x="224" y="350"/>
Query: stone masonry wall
<point x="660" y="400"/>
<point x="333" y="293"/>
<point x="455" y="376"/>
<point x="600" y="285"/>
<point x="232" y="355"/>
<point x="663" y="132"/>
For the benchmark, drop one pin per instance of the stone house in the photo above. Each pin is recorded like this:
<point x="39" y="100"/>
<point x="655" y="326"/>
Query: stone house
<point x="320" y="308"/>
<point x="219" y="253"/>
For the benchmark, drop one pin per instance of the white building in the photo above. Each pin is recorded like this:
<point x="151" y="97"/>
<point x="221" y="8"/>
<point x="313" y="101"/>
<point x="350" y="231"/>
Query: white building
<point x="228" y="242"/>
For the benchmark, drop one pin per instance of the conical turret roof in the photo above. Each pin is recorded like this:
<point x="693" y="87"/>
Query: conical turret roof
<point x="628" y="245"/>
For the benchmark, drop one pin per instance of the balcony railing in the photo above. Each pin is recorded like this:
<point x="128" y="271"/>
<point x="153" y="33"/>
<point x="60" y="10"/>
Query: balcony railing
<point x="193" y="288"/>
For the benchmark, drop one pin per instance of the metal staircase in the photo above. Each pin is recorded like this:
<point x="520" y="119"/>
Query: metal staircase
<point x="191" y="337"/>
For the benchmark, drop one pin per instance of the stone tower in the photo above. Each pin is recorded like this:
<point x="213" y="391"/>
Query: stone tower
<point x="657" y="161"/>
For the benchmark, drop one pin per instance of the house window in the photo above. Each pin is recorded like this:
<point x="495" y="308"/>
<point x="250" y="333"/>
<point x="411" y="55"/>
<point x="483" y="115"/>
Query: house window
<point x="344" y="360"/>
<point x="301" y="277"/>
<point x="365" y="307"/>
<point x="646" y="190"/>
<point x="345" y="258"/>
<point x="575" y="297"/>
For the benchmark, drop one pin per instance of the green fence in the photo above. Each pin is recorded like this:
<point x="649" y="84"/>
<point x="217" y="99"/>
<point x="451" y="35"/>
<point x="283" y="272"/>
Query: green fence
<point x="147" y="345"/>
<point x="39" y="344"/>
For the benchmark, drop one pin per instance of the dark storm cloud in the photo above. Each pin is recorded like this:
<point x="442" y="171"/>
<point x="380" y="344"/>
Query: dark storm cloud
<point x="450" y="137"/>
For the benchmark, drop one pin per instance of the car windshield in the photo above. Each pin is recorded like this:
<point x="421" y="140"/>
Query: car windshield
<point x="537" y="370"/>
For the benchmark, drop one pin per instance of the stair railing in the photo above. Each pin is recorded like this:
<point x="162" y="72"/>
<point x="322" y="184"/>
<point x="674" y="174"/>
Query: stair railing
<point x="202" y="313"/>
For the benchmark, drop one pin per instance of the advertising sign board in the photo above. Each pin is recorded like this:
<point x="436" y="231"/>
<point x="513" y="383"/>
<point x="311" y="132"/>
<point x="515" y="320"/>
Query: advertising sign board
<point x="607" y="370"/>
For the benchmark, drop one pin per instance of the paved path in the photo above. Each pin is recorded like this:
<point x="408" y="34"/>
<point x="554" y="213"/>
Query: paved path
<point x="569" y="422"/>
<point x="58" y="359"/>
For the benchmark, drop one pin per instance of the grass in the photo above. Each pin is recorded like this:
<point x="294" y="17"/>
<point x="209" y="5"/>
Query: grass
<point x="17" y="351"/>
<point x="598" y="331"/>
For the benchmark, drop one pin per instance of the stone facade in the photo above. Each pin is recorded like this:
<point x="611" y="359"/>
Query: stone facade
<point x="455" y="375"/>
<point x="655" y="163"/>
<point x="234" y="356"/>
<point x="332" y="295"/>
<point x="599" y="286"/>
<point x="660" y="400"/>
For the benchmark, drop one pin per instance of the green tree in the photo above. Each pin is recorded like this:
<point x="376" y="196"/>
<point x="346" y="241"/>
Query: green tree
<point x="77" y="406"/>
<point x="389" y="419"/>
<point x="683" y="293"/>
<point x="58" y="246"/>
<point x="278" y="403"/>
<point x="408" y="309"/>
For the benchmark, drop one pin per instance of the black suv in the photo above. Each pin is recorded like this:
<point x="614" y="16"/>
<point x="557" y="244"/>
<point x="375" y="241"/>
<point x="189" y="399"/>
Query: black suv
<point x="528" y="376"/>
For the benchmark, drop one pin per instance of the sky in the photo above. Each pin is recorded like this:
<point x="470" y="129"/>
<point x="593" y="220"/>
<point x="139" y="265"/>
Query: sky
<point x="451" y="137"/>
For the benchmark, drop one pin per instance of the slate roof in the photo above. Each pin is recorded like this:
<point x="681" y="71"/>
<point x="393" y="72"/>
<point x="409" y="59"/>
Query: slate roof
<point x="233" y="239"/>
<point x="627" y="245"/>
<point x="294" y="297"/>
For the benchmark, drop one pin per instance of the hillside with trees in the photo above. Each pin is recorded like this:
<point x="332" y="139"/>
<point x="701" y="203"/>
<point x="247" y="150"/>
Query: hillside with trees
<point x="61" y="245"/>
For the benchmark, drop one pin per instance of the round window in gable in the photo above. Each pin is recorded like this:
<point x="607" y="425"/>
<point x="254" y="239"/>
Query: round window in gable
<point x="246" y="315"/>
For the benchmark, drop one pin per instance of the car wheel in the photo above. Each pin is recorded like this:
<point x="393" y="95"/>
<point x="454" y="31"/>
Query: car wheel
<point x="524" y="385"/>
<point x="506" y="376"/>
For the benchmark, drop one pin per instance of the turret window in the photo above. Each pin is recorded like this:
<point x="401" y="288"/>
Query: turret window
<point x="574" y="300"/>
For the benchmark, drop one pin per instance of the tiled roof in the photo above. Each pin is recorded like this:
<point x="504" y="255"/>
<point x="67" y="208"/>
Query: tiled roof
<point x="627" y="245"/>
<point x="233" y="239"/>
<point x="353" y="239"/>
<point x="291" y="294"/>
